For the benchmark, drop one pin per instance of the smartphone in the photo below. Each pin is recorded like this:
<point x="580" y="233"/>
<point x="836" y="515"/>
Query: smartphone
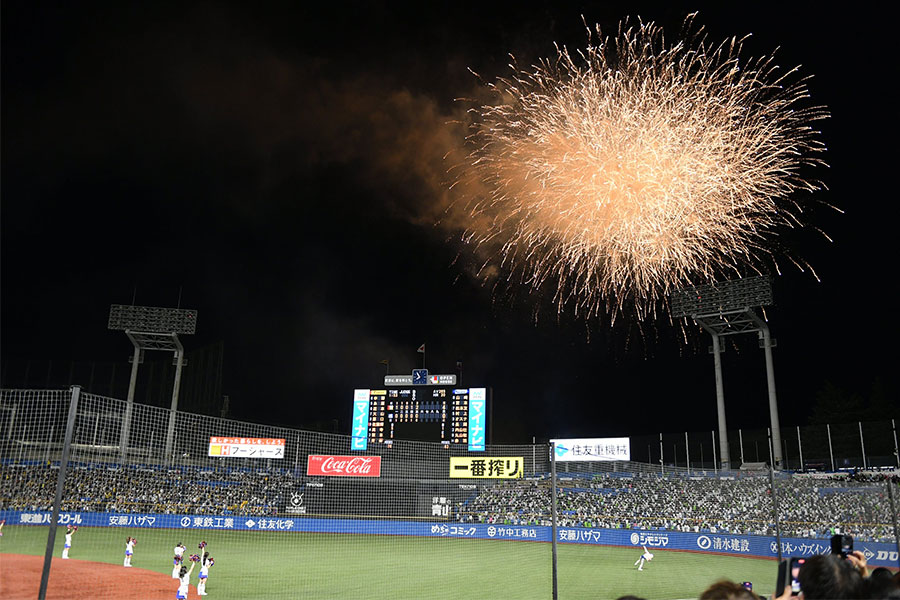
<point x="841" y="545"/>
<point x="795" y="564"/>
<point x="788" y="572"/>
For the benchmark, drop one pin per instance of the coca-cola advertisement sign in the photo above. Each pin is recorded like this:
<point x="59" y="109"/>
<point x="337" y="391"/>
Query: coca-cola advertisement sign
<point x="343" y="466"/>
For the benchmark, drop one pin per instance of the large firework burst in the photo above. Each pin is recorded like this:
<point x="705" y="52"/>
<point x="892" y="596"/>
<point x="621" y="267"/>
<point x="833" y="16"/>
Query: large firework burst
<point x="634" y="167"/>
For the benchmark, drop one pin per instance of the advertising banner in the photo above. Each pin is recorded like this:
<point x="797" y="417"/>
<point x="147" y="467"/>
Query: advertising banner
<point x="878" y="554"/>
<point x="593" y="449"/>
<point x="494" y="467"/>
<point x="359" y="439"/>
<point x="477" y="418"/>
<point x="246" y="447"/>
<point x="343" y="466"/>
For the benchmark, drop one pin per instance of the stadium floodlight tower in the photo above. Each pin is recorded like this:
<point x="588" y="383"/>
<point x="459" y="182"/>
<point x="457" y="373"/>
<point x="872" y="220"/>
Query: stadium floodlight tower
<point x="151" y="328"/>
<point x="726" y="308"/>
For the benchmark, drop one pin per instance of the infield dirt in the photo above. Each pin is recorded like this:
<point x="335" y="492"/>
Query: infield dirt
<point x="20" y="579"/>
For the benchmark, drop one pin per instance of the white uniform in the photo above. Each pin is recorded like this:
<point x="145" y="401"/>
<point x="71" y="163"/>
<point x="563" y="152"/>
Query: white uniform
<point x="129" y="550"/>
<point x="67" y="545"/>
<point x="646" y="556"/>
<point x="204" y="574"/>
<point x="176" y="562"/>
<point x="183" y="585"/>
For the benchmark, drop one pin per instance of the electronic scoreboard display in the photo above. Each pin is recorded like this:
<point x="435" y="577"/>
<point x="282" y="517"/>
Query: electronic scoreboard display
<point x="445" y="414"/>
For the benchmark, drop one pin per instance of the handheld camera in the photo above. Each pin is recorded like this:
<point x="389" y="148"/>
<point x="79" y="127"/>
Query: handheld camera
<point x="788" y="572"/>
<point x="841" y="545"/>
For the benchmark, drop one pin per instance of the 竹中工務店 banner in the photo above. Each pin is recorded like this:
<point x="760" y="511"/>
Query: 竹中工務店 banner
<point x="246" y="447"/>
<point x="489" y="467"/>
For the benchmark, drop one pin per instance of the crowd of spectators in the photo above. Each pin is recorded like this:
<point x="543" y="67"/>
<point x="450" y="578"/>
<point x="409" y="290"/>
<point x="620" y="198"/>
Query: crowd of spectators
<point x="821" y="577"/>
<point x="183" y="490"/>
<point x="808" y="507"/>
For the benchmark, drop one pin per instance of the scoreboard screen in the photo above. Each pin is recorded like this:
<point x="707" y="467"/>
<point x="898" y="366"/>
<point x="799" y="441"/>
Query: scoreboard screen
<point x="429" y="413"/>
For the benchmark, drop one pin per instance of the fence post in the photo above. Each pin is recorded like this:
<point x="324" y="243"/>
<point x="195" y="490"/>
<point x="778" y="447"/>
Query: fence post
<point x="830" y="449"/>
<point x="553" y="512"/>
<point x="862" y="444"/>
<point x="60" y="484"/>
<point x="687" y="452"/>
<point x="715" y="468"/>
<point x="662" y="464"/>
<point x="896" y="450"/>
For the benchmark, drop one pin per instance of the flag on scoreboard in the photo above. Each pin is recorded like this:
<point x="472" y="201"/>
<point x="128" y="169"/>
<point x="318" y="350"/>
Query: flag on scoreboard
<point x="421" y="349"/>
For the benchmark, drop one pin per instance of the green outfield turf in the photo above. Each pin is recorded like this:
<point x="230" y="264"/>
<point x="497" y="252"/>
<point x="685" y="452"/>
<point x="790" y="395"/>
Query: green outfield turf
<point x="251" y="565"/>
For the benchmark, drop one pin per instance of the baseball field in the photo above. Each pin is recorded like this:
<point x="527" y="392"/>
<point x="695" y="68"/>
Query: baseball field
<point x="287" y="565"/>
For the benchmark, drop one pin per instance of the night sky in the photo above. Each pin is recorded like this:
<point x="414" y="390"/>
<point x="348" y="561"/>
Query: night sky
<point x="280" y="169"/>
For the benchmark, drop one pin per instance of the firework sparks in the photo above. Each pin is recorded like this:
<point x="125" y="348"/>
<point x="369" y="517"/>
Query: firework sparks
<point x="638" y="167"/>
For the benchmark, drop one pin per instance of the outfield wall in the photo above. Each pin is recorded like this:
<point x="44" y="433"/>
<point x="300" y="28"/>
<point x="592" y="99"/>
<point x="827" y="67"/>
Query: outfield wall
<point x="879" y="554"/>
<point x="126" y="478"/>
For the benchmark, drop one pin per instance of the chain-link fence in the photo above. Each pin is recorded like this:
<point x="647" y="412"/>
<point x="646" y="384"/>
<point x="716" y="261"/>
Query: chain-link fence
<point x="289" y="513"/>
<point x="851" y="446"/>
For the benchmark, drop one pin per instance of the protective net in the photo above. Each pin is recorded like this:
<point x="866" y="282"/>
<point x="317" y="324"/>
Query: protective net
<point x="271" y="512"/>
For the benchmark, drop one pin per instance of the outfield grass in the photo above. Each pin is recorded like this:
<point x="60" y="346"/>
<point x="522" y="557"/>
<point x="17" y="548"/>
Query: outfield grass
<point x="257" y="565"/>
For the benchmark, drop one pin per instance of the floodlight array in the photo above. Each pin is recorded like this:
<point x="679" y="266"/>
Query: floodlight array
<point x="152" y="319"/>
<point x="721" y="297"/>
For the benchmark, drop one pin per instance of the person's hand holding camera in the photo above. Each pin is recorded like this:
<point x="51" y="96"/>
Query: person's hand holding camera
<point x="859" y="561"/>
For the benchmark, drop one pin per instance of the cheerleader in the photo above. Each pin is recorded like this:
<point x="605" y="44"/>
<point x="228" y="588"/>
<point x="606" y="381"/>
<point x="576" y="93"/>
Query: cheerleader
<point x="184" y="582"/>
<point x="204" y="573"/>
<point x="179" y="558"/>
<point x="70" y="531"/>
<point x="130" y="542"/>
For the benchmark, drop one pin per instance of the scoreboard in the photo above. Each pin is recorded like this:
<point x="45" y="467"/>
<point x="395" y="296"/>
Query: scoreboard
<point x="445" y="414"/>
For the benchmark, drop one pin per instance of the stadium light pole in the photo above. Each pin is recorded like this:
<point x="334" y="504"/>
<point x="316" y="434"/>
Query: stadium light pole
<point x="152" y="328"/>
<point x="727" y="308"/>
